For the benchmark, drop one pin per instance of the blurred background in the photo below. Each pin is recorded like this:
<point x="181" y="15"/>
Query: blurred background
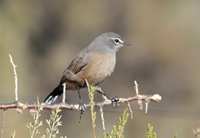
<point x="44" y="36"/>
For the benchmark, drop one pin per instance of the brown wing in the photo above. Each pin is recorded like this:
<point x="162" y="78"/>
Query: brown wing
<point x="79" y="63"/>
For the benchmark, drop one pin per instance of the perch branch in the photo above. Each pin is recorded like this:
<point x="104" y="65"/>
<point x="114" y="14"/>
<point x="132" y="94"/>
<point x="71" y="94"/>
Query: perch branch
<point x="5" y="106"/>
<point x="21" y="106"/>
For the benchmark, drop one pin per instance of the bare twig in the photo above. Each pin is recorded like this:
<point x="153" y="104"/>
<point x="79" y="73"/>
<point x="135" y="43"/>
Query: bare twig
<point x="147" y="99"/>
<point x="64" y="93"/>
<point x="102" y="118"/>
<point x="136" y="88"/>
<point x="130" y="110"/>
<point x="147" y="105"/>
<point x="3" y="123"/>
<point x="16" y="79"/>
<point x="196" y="132"/>
<point x="137" y="94"/>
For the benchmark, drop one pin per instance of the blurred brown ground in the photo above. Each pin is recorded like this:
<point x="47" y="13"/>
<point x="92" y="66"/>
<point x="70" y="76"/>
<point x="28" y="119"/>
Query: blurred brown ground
<point x="44" y="36"/>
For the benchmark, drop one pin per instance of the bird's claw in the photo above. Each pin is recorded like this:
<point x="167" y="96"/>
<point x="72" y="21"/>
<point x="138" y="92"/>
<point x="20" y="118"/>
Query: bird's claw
<point x="81" y="107"/>
<point x="114" y="101"/>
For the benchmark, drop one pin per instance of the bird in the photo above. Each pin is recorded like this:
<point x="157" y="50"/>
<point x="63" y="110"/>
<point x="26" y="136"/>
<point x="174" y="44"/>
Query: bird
<point x="94" y="63"/>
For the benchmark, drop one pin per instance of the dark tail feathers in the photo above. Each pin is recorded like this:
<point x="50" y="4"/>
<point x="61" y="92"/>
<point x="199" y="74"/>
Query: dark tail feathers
<point x="53" y="96"/>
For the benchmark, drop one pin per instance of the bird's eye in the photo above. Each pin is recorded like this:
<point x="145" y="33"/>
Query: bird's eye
<point x="116" y="41"/>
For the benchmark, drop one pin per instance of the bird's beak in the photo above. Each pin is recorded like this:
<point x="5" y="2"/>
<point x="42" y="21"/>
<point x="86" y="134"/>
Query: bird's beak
<point x="128" y="44"/>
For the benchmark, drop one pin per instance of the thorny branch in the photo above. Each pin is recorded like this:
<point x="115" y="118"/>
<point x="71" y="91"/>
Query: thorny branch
<point x="106" y="101"/>
<point x="19" y="105"/>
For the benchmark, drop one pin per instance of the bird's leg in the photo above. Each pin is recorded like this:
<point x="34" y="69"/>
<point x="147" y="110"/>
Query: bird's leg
<point x="114" y="100"/>
<point x="81" y="105"/>
<point x="64" y="91"/>
<point x="98" y="89"/>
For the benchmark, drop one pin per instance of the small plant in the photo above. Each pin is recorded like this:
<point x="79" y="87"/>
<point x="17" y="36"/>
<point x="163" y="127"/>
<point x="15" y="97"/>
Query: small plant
<point x="53" y="123"/>
<point x="33" y="126"/>
<point x="105" y="134"/>
<point x="150" y="133"/>
<point x="13" y="134"/>
<point x="93" y="114"/>
<point x="118" y="130"/>
<point x="92" y="90"/>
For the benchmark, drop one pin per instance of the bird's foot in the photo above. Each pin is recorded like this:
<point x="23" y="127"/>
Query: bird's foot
<point x="82" y="109"/>
<point x="114" y="101"/>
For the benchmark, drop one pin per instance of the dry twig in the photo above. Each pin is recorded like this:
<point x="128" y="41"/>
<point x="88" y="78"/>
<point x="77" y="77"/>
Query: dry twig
<point x="16" y="79"/>
<point x="102" y="118"/>
<point x="64" y="93"/>
<point x="130" y="110"/>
